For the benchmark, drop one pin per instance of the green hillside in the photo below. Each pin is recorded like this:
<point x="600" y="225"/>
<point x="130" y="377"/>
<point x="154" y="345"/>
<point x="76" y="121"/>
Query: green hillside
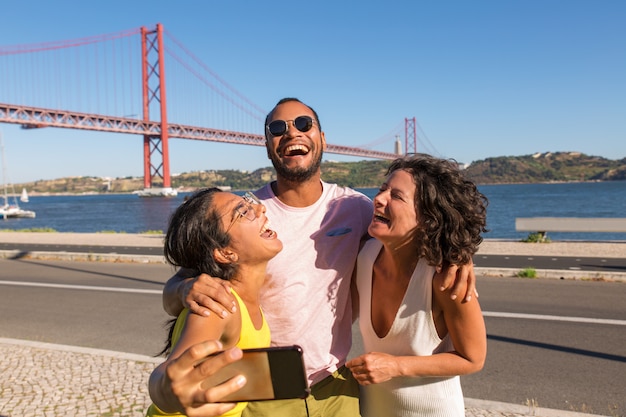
<point x="545" y="167"/>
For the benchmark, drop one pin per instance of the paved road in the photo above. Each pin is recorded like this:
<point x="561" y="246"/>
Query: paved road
<point x="572" y="263"/>
<point x="567" y="365"/>
<point x="92" y="304"/>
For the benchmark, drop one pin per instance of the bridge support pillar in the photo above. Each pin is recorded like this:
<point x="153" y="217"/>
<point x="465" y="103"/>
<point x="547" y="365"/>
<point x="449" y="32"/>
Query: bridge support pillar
<point x="410" y="136"/>
<point x="153" y="82"/>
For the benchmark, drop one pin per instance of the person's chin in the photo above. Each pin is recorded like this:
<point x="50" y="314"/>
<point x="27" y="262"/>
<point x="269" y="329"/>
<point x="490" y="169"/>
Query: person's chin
<point x="377" y="229"/>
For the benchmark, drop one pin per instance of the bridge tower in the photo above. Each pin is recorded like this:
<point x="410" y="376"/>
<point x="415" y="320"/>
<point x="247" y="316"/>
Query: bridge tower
<point x="153" y="84"/>
<point x="410" y="136"/>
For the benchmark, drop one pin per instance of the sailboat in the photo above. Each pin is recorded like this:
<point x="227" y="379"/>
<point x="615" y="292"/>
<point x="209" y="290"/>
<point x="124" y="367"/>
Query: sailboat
<point x="8" y="210"/>
<point x="24" y="196"/>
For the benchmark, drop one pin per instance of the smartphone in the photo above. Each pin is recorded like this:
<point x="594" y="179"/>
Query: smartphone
<point x="274" y="373"/>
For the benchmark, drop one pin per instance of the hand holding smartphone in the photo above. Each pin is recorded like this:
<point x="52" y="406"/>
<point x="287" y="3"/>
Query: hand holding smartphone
<point x="274" y="373"/>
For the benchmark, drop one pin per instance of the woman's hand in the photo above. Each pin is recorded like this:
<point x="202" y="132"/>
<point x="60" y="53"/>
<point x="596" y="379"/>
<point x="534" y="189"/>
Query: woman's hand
<point x="176" y="385"/>
<point x="373" y="368"/>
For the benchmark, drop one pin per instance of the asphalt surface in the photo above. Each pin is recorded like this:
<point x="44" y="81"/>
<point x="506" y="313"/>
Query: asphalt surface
<point x="552" y="263"/>
<point x="50" y="379"/>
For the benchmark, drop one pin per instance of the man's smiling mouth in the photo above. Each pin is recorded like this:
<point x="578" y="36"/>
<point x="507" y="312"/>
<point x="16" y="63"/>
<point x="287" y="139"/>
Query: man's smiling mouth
<point x="295" y="150"/>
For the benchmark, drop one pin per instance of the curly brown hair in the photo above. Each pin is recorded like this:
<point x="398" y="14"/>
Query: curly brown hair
<point x="453" y="213"/>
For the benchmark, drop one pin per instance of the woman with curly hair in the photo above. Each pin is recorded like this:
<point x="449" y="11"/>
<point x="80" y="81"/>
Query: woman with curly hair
<point x="418" y="340"/>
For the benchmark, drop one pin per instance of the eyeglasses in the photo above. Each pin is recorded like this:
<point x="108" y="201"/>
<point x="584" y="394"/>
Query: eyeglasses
<point x="279" y="127"/>
<point x="245" y="209"/>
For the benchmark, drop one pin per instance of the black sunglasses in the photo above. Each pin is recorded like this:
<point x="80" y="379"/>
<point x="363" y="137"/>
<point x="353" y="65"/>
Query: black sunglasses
<point x="279" y="127"/>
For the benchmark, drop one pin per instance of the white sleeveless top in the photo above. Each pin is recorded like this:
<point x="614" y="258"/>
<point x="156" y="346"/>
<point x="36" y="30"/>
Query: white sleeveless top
<point x="413" y="332"/>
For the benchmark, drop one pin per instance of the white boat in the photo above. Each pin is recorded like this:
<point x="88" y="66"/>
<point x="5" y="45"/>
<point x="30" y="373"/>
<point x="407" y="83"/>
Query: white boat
<point x="8" y="210"/>
<point x="157" y="192"/>
<point x="24" y="196"/>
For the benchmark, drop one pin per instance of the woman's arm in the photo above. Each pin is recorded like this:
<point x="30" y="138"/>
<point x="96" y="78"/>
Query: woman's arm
<point x="175" y="385"/>
<point x="464" y="322"/>
<point x="201" y="294"/>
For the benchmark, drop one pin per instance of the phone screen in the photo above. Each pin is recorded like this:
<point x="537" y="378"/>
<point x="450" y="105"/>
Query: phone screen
<point x="272" y="373"/>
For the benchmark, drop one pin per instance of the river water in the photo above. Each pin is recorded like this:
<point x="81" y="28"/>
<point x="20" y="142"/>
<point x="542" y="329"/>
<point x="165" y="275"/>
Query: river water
<point x="132" y="214"/>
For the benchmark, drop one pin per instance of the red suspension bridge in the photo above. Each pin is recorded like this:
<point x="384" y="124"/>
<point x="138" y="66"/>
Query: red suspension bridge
<point x="116" y="83"/>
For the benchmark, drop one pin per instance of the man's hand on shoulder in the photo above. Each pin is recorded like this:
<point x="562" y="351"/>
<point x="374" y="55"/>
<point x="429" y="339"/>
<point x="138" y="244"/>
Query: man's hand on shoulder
<point x="205" y="294"/>
<point x="458" y="279"/>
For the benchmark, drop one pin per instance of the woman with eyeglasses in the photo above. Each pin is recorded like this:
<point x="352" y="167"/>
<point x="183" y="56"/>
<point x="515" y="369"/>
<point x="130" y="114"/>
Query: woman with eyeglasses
<point x="226" y="236"/>
<point x="416" y="338"/>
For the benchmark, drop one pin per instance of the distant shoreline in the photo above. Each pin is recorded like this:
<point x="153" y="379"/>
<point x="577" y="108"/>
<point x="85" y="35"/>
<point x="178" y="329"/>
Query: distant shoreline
<point x="192" y="189"/>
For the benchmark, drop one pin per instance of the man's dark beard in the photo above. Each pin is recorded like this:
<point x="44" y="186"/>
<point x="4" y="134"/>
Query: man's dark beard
<point x="297" y="174"/>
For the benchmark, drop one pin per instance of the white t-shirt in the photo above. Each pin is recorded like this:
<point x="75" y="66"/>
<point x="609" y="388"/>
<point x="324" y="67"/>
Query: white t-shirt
<point x="306" y="296"/>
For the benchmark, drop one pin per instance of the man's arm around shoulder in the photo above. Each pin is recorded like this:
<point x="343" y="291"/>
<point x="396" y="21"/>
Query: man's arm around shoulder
<point x="201" y="293"/>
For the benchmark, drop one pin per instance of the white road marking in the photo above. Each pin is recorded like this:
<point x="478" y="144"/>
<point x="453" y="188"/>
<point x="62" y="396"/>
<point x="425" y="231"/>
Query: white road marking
<point x="553" y="318"/>
<point x="81" y="287"/>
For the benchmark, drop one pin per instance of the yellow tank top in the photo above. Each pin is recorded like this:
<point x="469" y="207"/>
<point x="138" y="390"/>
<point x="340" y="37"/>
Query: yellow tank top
<point x="250" y="338"/>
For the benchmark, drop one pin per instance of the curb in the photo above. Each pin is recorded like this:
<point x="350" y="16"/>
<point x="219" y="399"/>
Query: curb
<point x="78" y="349"/>
<point x="554" y="274"/>
<point x="82" y="257"/>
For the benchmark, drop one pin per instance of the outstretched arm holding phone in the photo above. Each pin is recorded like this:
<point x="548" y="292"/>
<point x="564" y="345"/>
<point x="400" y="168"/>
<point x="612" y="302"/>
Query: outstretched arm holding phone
<point x="177" y="385"/>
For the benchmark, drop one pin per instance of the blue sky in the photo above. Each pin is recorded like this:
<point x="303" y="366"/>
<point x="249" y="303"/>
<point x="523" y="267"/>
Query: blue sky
<point x="482" y="78"/>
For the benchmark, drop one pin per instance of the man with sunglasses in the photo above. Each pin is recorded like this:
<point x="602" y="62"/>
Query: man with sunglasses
<point x="306" y="296"/>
